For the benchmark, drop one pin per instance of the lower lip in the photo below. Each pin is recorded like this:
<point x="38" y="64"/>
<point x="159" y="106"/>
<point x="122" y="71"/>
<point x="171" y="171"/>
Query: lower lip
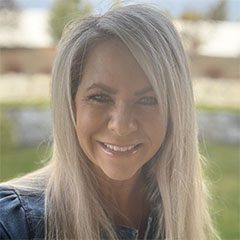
<point x="113" y="153"/>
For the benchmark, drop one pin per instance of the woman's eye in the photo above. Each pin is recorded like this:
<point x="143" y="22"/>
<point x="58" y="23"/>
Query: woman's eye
<point x="148" y="101"/>
<point x="100" y="98"/>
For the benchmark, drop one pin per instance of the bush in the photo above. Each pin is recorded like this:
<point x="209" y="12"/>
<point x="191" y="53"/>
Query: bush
<point x="7" y="138"/>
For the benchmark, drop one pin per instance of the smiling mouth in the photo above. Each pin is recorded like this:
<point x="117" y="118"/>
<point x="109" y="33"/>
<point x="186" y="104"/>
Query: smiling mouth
<point x="119" y="150"/>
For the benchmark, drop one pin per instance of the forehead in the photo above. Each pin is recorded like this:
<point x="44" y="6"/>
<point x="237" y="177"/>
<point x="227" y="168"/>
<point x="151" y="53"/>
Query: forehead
<point x="111" y="63"/>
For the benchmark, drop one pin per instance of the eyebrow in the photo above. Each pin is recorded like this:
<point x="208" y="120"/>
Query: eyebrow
<point x="103" y="87"/>
<point x="144" y="91"/>
<point x="114" y="91"/>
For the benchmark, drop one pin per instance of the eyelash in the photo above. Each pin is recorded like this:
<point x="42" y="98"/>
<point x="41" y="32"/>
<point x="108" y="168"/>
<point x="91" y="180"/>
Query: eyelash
<point x="149" y="101"/>
<point x="103" y="98"/>
<point x="99" y="98"/>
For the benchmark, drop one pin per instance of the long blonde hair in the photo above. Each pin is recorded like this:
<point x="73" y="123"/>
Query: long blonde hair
<point x="74" y="209"/>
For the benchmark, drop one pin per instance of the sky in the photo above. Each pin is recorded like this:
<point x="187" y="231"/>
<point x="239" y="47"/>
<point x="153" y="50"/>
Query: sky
<point x="175" y="7"/>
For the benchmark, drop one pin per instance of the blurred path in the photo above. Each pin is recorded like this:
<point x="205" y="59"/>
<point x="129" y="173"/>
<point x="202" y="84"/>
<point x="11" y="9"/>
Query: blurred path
<point x="19" y="87"/>
<point x="217" y="92"/>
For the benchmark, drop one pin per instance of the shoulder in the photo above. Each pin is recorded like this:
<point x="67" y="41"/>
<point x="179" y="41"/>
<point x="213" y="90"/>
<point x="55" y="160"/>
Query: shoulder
<point x="22" y="213"/>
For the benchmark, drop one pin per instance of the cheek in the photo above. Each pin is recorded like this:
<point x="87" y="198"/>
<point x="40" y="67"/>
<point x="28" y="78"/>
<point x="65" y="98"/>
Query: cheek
<point x="155" y="128"/>
<point x="88" y="122"/>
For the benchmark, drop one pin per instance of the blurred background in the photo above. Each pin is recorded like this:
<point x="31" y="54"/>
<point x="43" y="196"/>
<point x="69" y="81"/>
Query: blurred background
<point x="210" y="29"/>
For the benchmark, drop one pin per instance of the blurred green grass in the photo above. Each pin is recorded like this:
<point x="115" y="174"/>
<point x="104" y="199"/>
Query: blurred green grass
<point x="16" y="161"/>
<point x="223" y="171"/>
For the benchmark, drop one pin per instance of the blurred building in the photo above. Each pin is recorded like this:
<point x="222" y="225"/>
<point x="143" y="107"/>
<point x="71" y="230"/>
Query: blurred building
<point x="213" y="47"/>
<point x="27" y="47"/>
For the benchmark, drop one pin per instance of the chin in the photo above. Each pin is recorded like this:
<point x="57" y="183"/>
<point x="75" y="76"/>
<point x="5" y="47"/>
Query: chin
<point x="119" y="175"/>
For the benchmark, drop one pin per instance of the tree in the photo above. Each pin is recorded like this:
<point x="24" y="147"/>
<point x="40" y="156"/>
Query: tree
<point x="218" y="12"/>
<point x="189" y="15"/>
<point x="9" y="13"/>
<point x="64" y="11"/>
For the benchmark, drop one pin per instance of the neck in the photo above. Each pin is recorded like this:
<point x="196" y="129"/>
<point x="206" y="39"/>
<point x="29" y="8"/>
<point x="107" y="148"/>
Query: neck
<point x="120" y="191"/>
<point x="125" y="199"/>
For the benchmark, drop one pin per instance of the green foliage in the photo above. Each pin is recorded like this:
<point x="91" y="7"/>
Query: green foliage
<point x="38" y="104"/>
<point x="9" y="13"/>
<point x="191" y="16"/>
<point x="218" y="108"/>
<point x="218" y="12"/>
<point x="6" y="134"/>
<point x="63" y="12"/>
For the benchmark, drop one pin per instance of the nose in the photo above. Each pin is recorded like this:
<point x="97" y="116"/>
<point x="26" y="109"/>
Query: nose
<point x="122" y="121"/>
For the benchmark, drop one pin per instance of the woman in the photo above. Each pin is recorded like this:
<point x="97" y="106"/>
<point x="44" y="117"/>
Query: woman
<point x="125" y="162"/>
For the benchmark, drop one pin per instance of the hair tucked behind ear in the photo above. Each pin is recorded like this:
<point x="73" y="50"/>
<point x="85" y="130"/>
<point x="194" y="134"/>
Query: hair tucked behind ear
<point x="174" y="182"/>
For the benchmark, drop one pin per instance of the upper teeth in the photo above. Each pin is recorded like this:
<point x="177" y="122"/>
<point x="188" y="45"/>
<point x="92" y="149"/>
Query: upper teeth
<point x="121" y="149"/>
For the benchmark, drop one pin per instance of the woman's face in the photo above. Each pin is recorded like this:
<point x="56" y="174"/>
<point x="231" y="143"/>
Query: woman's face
<point x="119" y="125"/>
